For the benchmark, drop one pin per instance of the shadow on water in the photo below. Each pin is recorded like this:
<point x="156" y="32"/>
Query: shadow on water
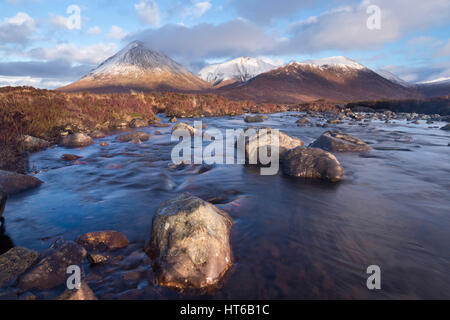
<point x="6" y="242"/>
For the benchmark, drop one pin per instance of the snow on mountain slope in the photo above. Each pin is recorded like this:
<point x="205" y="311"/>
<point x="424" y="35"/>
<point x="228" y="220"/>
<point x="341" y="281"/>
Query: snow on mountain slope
<point x="332" y="62"/>
<point x="136" y="67"/>
<point x="136" y="59"/>
<point x="444" y="80"/>
<point x="241" y="69"/>
<point x="392" y="77"/>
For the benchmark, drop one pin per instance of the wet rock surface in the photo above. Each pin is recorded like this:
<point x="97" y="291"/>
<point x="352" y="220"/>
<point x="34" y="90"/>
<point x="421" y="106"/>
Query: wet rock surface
<point x="189" y="245"/>
<point x="138" y="123"/>
<point x="14" y="263"/>
<point x="12" y="183"/>
<point x="255" y="119"/>
<point x="312" y="163"/>
<point x="51" y="271"/>
<point x="135" y="136"/>
<point x="335" y="141"/>
<point x="103" y="241"/>
<point x="183" y="127"/>
<point x="76" y="140"/>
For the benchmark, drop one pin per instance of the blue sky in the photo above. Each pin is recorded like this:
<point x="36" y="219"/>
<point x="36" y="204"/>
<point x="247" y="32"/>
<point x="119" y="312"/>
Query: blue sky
<point x="38" y="48"/>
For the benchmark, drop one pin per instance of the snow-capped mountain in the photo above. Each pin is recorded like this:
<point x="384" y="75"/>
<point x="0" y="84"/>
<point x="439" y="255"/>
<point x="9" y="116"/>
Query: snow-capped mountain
<point x="237" y="70"/>
<point x="392" y="77"/>
<point x="137" y="67"/>
<point x="334" y="78"/>
<point x="332" y="62"/>
<point x="435" y="88"/>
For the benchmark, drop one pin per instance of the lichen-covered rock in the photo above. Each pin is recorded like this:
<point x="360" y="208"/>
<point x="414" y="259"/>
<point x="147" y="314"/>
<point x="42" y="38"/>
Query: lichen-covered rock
<point x="189" y="244"/>
<point x="76" y="140"/>
<point x="50" y="272"/>
<point x="264" y="138"/>
<point x="14" y="263"/>
<point x="312" y="163"/>
<point x="134" y="136"/>
<point x="103" y="241"/>
<point x="33" y="144"/>
<point x="138" y="123"/>
<point x="12" y="183"/>
<point x="84" y="293"/>
<point x="335" y="141"/>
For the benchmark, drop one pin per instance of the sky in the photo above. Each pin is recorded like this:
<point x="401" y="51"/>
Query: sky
<point x="50" y="43"/>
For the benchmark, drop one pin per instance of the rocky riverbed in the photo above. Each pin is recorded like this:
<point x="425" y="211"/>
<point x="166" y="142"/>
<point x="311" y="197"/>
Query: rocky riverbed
<point x="371" y="188"/>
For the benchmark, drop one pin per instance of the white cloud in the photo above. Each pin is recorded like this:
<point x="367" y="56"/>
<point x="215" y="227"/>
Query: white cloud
<point x="346" y="29"/>
<point x="198" y="9"/>
<point x="95" y="30"/>
<point x="90" y="55"/>
<point x="148" y="12"/>
<point x="116" y="33"/>
<point x="59" y="22"/>
<point x="18" y="29"/>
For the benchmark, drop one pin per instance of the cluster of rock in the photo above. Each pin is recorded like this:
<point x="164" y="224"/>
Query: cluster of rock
<point x="362" y="116"/>
<point x="314" y="162"/>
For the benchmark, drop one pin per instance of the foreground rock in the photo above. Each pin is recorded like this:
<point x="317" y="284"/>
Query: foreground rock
<point x="84" y="293"/>
<point x="446" y="128"/>
<point x="264" y="138"/>
<point x="183" y="127"/>
<point x="50" y="272"/>
<point x="255" y="119"/>
<point x="76" y="140"/>
<point x="103" y="241"/>
<point x="190" y="245"/>
<point x="135" y="136"/>
<point x="33" y="144"/>
<point x="14" y="263"/>
<point x="335" y="141"/>
<point x="12" y="183"/>
<point x="312" y="163"/>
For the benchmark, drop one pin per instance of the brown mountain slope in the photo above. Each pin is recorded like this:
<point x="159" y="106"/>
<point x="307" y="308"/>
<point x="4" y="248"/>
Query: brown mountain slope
<point x="303" y="82"/>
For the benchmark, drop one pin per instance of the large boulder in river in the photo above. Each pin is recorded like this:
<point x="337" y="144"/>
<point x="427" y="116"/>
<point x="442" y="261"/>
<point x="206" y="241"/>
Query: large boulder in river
<point x="190" y="243"/>
<point x="312" y="163"/>
<point x="335" y="141"/>
<point x="135" y="136"/>
<point x="12" y="183"/>
<point x="446" y="127"/>
<point x="51" y="271"/>
<point x="264" y="137"/>
<point x="102" y="241"/>
<point x="14" y="263"/>
<point x="76" y="140"/>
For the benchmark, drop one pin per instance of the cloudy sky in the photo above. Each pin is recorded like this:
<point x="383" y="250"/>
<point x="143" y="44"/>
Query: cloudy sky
<point x="43" y="45"/>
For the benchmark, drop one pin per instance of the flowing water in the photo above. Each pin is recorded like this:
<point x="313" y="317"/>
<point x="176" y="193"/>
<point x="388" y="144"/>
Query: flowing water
<point x="291" y="238"/>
